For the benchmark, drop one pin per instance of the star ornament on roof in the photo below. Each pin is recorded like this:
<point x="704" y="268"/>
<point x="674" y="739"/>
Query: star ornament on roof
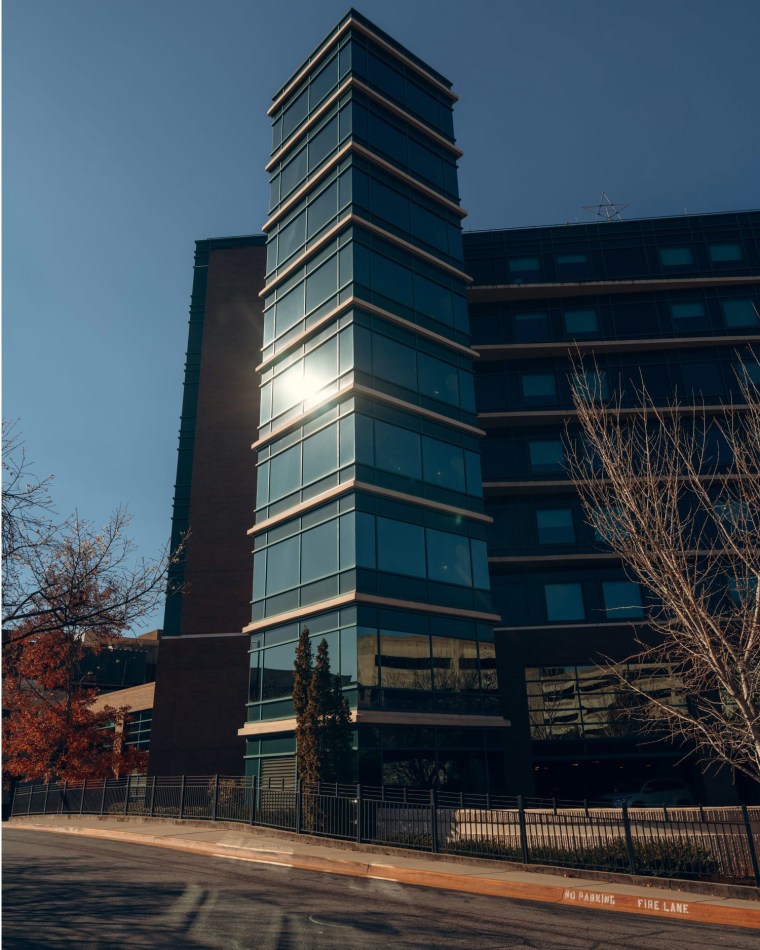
<point x="607" y="210"/>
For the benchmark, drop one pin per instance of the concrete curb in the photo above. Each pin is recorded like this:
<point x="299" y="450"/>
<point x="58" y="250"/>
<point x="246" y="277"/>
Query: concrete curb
<point x="697" y="910"/>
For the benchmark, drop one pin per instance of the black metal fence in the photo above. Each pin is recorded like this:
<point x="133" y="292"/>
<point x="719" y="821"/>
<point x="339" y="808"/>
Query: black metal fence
<point x="717" y="844"/>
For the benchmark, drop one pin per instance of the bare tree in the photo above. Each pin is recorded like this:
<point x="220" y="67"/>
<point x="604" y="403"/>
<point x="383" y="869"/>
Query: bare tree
<point x="67" y="576"/>
<point x="675" y="492"/>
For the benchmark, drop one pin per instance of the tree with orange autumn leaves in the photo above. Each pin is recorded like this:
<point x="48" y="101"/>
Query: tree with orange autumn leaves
<point x="69" y="588"/>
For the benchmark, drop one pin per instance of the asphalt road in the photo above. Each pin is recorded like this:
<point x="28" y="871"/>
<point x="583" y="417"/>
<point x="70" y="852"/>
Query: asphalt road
<point x="62" y="891"/>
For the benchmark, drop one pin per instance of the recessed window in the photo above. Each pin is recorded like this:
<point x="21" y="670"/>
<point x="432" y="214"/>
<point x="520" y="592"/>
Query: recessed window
<point x="539" y="388"/>
<point x="571" y="260"/>
<point x="531" y="327"/>
<point x="593" y="384"/>
<point x="749" y="372"/>
<point x="580" y="322"/>
<point x="521" y="265"/>
<point x="622" y="600"/>
<point x="720" y="253"/>
<point x="740" y="313"/>
<point x="546" y="455"/>
<point x="555" y="526"/>
<point x="564" y="602"/>
<point x="676" y="256"/>
<point x="690" y="315"/>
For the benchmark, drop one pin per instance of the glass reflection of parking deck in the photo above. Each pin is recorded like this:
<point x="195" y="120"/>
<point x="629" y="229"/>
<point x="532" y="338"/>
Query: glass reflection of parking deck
<point x="369" y="518"/>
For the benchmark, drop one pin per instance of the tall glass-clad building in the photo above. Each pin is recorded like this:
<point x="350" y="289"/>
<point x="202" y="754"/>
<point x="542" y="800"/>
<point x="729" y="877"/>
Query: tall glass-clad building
<point x="370" y="527"/>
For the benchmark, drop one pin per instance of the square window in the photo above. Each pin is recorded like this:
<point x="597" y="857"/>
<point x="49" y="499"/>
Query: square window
<point x="555" y="526"/>
<point x="740" y="313"/>
<point x="523" y="264"/>
<point x="539" y="388"/>
<point x="691" y="315"/>
<point x="571" y="260"/>
<point x="546" y="455"/>
<point x="531" y="327"/>
<point x="676" y="256"/>
<point x="580" y="322"/>
<point x="564" y="602"/>
<point x="622" y="600"/>
<point x="720" y="253"/>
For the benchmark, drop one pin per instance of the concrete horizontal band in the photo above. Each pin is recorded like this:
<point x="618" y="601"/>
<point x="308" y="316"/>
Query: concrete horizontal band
<point x="356" y="597"/>
<point x="486" y="293"/>
<point x="353" y="485"/>
<point x="514" y="351"/>
<point x="379" y="717"/>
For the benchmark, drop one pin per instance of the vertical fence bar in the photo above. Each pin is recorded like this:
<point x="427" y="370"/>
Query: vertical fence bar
<point x="299" y="806"/>
<point x="255" y="796"/>
<point x="215" y="809"/>
<point x="628" y="839"/>
<point x="29" y="803"/>
<point x="103" y="796"/>
<point x="252" y="816"/>
<point x="81" y="800"/>
<point x="63" y="799"/>
<point x="126" y="795"/>
<point x="433" y="822"/>
<point x="44" y="804"/>
<point x="523" y="829"/>
<point x="751" y="843"/>
<point x="358" y="814"/>
<point x="152" y="797"/>
<point x="182" y="797"/>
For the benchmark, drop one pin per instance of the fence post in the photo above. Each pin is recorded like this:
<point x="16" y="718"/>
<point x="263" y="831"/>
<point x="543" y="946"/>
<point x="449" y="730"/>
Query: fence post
<point x="628" y="839"/>
<point x="63" y="799"/>
<point x="215" y="810"/>
<point x="152" y="797"/>
<point x="126" y="795"/>
<point x="252" y="816"/>
<point x="358" y="814"/>
<point x="81" y="800"/>
<point x="523" y="830"/>
<point x="751" y="843"/>
<point x="585" y="807"/>
<point x="182" y="797"/>
<point x="701" y="813"/>
<point x="103" y="796"/>
<point x="299" y="806"/>
<point x="433" y="822"/>
<point x="47" y="792"/>
<point x="31" y="795"/>
<point x="554" y="806"/>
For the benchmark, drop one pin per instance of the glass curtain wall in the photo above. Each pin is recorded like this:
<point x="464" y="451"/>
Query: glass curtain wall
<point x="369" y="519"/>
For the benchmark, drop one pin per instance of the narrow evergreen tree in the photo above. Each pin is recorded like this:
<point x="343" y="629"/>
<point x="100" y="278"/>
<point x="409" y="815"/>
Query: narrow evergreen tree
<point x="306" y="718"/>
<point x="333" y="719"/>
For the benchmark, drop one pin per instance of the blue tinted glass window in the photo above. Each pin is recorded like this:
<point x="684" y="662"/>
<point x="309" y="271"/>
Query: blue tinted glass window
<point x="750" y="372"/>
<point x="391" y="279"/>
<point x="443" y="464"/>
<point x="397" y="450"/>
<point x="287" y="389"/>
<point x="295" y="113"/>
<point x="592" y="384"/>
<point x="323" y="143"/>
<point x="437" y="379"/>
<point x="389" y="204"/>
<point x="691" y="315"/>
<point x="259" y="574"/>
<point x="546" y="455"/>
<point x="319" y="551"/>
<point x="466" y="391"/>
<point x="283" y="566"/>
<point x="564" y="602"/>
<point x="740" y="313"/>
<point x="400" y="547"/>
<point x="520" y="265"/>
<point x="387" y="138"/>
<point x="293" y="173"/>
<point x="480" y="579"/>
<point x="347" y="541"/>
<point x="555" y="526"/>
<point x="365" y="539"/>
<point x="448" y="558"/>
<point x="426" y="163"/>
<point x="702" y="380"/>
<point x="725" y="252"/>
<point x="320" y="454"/>
<point x="291" y="238"/>
<point x="579" y="322"/>
<point x="571" y="260"/>
<point x="285" y="473"/>
<point x="429" y="227"/>
<point x="394" y="361"/>
<point x="676" y="256"/>
<point x="474" y="476"/>
<point x="622" y="600"/>
<point x="539" y="387"/>
<point x="323" y="82"/>
<point x="531" y="327"/>
<point x="432" y="299"/>
<point x="323" y="209"/>
<point x="322" y="283"/>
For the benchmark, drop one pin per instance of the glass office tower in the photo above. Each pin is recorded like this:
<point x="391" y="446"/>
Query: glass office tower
<point x="370" y="526"/>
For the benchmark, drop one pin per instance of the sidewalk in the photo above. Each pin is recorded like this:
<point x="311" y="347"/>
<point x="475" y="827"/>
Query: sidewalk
<point x="265" y="846"/>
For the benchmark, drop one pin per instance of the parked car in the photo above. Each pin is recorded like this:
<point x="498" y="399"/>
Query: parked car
<point x="657" y="791"/>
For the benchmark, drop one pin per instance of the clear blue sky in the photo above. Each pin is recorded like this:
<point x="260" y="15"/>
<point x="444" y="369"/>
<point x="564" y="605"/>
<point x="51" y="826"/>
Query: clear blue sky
<point x="134" y="127"/>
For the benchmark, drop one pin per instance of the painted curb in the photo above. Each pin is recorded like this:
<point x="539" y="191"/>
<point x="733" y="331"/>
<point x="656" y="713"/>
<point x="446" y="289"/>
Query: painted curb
<point x="696" y="911"/>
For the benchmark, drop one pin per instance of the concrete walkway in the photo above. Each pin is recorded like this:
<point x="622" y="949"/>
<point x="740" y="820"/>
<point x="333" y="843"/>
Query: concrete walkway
<point x="706" y="903"/>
